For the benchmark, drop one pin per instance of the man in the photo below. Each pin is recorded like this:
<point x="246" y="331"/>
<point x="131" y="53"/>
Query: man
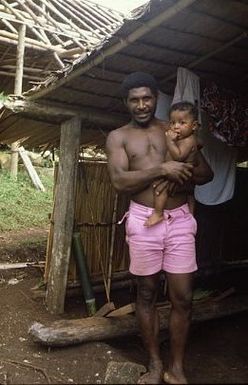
<point x="136" y="154"/>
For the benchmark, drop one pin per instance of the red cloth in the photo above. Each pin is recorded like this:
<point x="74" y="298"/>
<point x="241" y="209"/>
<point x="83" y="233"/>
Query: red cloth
<point x="229" y="113"/>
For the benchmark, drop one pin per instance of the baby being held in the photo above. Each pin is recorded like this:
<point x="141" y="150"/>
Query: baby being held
<point x="182" y="145"/>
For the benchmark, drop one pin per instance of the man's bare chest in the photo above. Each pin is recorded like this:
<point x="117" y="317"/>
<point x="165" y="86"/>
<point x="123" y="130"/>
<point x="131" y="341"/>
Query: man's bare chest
<point x="143" y="146"/>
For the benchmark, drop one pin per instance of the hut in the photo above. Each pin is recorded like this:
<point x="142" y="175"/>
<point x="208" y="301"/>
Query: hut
<point x="77" y="105"/>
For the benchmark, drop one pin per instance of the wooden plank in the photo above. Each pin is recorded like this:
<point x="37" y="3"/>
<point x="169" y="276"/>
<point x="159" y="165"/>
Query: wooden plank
<point x="63" y="215"/>
<point x="105" y="309"/>
<point x="70" y="332"/>
<point x="19" y="265"/>
<point x="30" y="169"/>
<point x="124" y="310"/>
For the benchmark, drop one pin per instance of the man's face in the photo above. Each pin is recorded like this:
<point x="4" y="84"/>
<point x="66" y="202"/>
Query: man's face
<point x="141" y="103"/>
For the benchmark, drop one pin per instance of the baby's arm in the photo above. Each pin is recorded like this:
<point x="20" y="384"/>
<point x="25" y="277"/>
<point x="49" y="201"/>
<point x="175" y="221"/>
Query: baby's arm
<point x="180" y="149"/>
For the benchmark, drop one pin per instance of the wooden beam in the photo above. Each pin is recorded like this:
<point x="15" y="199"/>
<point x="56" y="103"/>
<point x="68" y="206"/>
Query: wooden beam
<point x="62" y="111"/>
<point x="63" y="215"/>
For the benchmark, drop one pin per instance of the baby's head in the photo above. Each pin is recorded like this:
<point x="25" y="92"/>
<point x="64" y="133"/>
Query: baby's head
<point x="184" y="118"/>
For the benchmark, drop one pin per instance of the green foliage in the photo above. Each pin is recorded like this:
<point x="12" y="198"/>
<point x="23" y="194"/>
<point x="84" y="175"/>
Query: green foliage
<point x="21" y="205"/>
<point x="3" y="97"/>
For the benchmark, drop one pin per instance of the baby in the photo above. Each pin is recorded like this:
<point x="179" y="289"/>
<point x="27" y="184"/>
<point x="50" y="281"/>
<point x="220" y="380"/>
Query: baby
<point x="182" y="145"/>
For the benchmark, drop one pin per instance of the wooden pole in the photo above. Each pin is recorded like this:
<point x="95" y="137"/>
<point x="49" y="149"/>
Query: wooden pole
<point x="111" y="252"/>
<point x="63" y="215"/>
<point x="18" y="91"/>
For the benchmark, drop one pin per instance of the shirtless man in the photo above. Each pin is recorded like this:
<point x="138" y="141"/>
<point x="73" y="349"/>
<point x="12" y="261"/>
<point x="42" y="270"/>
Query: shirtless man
<point x="136" y="154"/>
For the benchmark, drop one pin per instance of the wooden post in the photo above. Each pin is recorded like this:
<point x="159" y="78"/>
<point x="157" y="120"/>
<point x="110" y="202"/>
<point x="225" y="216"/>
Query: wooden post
<point x="18" y="91"/>
<point x="30" y="169"/>
<point x="63" y="215"/>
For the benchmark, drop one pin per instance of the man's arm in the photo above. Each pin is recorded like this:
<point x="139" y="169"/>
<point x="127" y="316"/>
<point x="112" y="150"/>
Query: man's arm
<point x="202" y="173"/>
<point x="132" y="181"/>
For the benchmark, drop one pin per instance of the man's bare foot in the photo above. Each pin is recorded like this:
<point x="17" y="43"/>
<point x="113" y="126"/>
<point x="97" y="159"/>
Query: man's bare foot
<point x="154" y="219"/>
<point x="174" y="378"/>
<point x="154" y="374"/>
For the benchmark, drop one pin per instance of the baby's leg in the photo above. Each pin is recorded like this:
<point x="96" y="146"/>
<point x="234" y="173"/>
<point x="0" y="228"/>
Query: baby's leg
<point x="159" y="203"/>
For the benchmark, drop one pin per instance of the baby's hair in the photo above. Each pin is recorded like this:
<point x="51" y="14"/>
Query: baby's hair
<point x="136" y="80"/>
<point x="185" y="106"/>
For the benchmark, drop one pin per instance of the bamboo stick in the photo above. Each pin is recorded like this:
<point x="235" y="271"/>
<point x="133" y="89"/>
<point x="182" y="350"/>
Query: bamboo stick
<point x="57" y="25"/>
<point x="67" y="9"/>
<point x="19" y="16"/>
<point x="31" y="43"/>
<point x="113" y="230"/>
<point x="34" y="17"/>
<point x="28" y="69"/>
<point x="58" y="60"/>
<point x="105" y="10"/>
<point x="18" y="91"/>
<point x="9" y="25"/>
<point x="12" y="74"/>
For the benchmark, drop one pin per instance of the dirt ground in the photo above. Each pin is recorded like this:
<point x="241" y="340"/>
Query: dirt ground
<point x="217" y="351"/>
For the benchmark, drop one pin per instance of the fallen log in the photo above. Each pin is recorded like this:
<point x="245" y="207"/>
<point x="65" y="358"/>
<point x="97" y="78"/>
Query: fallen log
<point x="71" y="332"/>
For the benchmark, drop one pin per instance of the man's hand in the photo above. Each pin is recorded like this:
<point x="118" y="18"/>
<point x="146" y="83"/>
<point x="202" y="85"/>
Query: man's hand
<point x="178" y="172"/>
<point x="162" y="184"/>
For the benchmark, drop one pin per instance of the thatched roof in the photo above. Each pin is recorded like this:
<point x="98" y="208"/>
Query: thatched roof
<point x="207" y="36"/>
<point x="57" y="32"/>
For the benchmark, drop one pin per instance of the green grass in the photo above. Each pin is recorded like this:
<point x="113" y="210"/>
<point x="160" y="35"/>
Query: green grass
<point x="21" y="205"/>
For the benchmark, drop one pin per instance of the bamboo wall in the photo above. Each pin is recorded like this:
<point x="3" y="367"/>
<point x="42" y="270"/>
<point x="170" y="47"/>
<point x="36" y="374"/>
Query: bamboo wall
<point x="94" y="212"/>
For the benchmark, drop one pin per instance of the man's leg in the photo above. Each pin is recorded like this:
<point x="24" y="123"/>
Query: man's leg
<point x="147" y="316"/>
<point x="180" y="292"/>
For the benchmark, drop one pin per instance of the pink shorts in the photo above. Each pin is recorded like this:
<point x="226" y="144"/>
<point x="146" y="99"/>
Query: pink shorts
<point x="168" y="245"/>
